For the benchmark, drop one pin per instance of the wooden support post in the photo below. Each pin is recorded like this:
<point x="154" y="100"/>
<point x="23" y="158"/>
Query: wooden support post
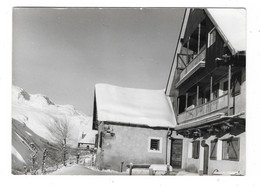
<point x="186" y="102"/>
<point x="130" y="168"/>
<point x="122" y="164"/>
<point x="199" y="38"/>
<point x="197" y="96"/>
<point x="188" y="45"/>
<point x="178" y="105"/>
<point x="229" y="87"/>
<point x="211" y="88"/>
<point x="188" y="56"/>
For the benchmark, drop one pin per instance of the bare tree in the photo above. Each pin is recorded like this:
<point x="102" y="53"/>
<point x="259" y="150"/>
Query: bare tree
<point x="60" y="135"/>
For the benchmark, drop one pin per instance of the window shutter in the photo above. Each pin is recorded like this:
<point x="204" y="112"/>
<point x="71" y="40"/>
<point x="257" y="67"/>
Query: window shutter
<point x="230" y="149"/>
<point x="234" y="150"/>
<point x="213" y="153"/>
<point x="195" y="149"/>
<point x="100" y="142"/>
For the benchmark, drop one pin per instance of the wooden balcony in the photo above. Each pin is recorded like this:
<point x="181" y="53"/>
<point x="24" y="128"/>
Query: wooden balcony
<point x="196" y="63"/>
<point x="219" y="104"/>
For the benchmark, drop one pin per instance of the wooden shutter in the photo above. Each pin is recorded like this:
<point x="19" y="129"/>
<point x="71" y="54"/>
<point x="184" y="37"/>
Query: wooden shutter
<point x="213" y="152"/>
<point x="195" y="149"/>
<point x="230" y="149"/>
<point x="100" y="139"/>
<point x="234" y="149"/>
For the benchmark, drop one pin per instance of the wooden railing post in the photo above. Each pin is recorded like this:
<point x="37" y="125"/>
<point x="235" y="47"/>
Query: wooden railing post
<point x="197" y="99"/>
<point x="211" y="90"/>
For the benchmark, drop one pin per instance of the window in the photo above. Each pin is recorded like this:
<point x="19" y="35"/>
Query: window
<point x="206" y="96"/>
<point x="230" y="149"/>
<point x="236" y="83"/>
<point x="225" y="87"/>
<point x="211" y="37"/>
<point x="195" y="149"/>
<point x="155" y="144"/>
<point x="215" y="91"/>
<point x="213" y="149"/>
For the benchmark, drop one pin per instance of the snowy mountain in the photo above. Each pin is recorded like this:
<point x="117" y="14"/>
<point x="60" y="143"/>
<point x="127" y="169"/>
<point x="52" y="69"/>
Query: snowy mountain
<point x="34" y="118"/>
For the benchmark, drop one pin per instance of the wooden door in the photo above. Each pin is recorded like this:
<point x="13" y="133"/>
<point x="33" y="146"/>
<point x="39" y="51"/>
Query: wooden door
<point x="176" y="153"/>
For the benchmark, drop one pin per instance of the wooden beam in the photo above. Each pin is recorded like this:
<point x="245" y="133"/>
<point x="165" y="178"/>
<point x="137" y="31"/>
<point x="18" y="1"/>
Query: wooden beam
<point x="182" y="60"/>
<point x="178" y="105"/>
<point x="186" y="102"/>
<point x="197" y="96"/>
<point x="199" y="38"/>
<point x="229" y="87"/>
<point x="211" y="88"/>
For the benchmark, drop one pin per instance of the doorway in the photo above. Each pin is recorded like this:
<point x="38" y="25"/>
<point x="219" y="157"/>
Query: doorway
<point x="176" y="153"/>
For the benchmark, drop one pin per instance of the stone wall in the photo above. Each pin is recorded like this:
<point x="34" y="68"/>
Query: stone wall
<point x="129" y="144"/>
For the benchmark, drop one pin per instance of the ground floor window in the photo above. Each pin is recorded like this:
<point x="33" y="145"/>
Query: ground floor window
<point x="213" y="149"/>
<point x="155" y="144"/>
<point x="230" y="149"/>
<point x="195" y="149"/>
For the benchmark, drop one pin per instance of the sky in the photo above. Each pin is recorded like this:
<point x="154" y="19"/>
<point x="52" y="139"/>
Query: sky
<point x="63" y="52"/>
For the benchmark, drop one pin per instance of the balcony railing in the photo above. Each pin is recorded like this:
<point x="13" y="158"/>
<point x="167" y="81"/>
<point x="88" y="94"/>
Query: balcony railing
<point x="215" y="105"/>
<point x="198" y="60"/>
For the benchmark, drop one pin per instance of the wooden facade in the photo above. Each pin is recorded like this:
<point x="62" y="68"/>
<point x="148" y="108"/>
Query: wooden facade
<point x="208" y="94"/>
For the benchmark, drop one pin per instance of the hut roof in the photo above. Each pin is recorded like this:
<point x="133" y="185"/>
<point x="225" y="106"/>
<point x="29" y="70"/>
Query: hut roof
<point x="134" y="106"/>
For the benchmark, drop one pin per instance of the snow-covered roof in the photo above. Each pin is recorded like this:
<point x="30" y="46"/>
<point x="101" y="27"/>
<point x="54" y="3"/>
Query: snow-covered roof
<point x="87" y="137"/>
<point x="231" y="24"/>
<point x="134" y="106"/>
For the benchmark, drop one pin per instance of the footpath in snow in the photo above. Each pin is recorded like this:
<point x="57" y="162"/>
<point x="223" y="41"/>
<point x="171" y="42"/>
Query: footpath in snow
<point x="83" y="170"/>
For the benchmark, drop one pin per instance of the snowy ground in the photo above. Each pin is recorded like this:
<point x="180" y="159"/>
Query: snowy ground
<point x="83" y="170"/>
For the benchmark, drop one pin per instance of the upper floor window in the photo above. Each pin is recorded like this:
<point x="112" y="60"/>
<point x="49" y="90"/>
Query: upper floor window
<point x="212" y="37"/>
<point x="215" y="91"/>
<point x="236" y="83"/>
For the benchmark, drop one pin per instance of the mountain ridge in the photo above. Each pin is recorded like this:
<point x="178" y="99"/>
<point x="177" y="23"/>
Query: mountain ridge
<point x="34" y="118"/>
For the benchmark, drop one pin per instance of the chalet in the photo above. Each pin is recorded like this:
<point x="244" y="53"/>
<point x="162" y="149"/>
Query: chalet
<point x="207" y="86"/>
<point x="133" y="126"/>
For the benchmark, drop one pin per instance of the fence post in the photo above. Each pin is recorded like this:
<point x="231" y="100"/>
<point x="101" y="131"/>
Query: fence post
<point x="122" y="164"/>
<point x="131" y="167"/>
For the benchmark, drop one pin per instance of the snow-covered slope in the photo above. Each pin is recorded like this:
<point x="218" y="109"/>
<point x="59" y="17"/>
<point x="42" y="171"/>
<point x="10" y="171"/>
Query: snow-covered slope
<point x="34" y="117"/>
<point x="39" y="114"/>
